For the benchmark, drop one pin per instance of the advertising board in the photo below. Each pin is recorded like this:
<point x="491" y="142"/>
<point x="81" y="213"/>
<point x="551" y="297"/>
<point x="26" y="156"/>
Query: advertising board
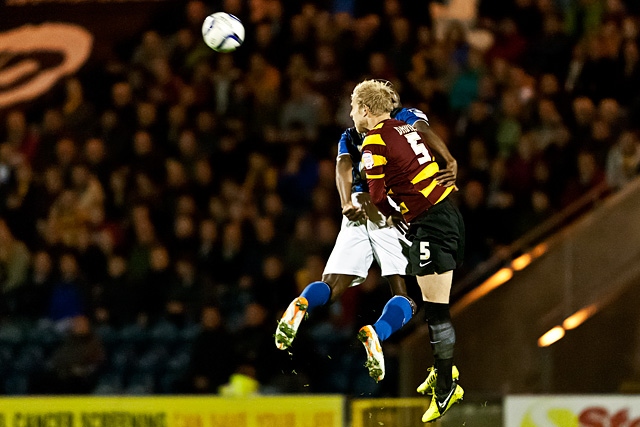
<point x="572" y="411"/>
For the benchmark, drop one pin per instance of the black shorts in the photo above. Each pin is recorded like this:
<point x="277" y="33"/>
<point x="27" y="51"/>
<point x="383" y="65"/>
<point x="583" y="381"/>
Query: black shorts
<point x="437" y="240"/>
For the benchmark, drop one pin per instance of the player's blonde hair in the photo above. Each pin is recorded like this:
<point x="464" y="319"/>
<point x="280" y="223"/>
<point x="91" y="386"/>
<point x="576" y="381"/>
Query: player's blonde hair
<point x="378" y="95"/>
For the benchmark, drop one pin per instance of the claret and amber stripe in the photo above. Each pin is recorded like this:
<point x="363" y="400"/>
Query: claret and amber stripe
<point x="373" y="139"/>
<point x="391" y="154"/>
<point x="430" y="170"/>
<point x="375" y="176"/>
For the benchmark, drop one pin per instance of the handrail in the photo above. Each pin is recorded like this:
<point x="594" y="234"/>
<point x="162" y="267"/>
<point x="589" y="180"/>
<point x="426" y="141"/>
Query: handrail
<point x="529" y="239"/>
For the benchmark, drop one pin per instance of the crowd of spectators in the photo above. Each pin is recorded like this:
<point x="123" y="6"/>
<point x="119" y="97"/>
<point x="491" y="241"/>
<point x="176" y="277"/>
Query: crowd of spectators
<point x="178" y="192"/>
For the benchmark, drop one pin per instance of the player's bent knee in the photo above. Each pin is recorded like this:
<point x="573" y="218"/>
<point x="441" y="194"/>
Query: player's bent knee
<point x="406" y="304"/>
<point x="339" y="283"/>
<point x="414" y="306"/>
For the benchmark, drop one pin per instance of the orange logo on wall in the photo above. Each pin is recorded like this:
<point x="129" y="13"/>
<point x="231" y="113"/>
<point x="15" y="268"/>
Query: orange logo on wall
<point x="34" y="57"/>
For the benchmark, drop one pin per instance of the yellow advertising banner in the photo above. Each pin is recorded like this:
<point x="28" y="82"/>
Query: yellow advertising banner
<point x="172" y="411"/>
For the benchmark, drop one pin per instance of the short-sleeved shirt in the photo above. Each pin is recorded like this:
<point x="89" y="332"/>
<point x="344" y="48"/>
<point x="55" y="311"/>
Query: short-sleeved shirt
<point x="400" y="165"/>
<point x="351" y="143"/>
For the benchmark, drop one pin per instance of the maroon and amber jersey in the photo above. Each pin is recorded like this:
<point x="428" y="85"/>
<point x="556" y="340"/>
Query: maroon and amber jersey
<point x="399" y="164"/>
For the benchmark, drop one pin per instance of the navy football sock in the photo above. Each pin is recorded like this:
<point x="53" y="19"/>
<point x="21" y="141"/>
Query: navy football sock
<point x="443" y="338"/>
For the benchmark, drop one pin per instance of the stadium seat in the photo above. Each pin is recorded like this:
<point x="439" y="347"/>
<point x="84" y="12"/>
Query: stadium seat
<point x="190" y="332"/>
<point x="11" y="333"/>
<point x="29" y="359"/>
<point x="122" y="357"/>
<point x="109" y="383"/>
<point x="44" y="334"/>
<point x="134" y="334"/>
<point x="167" y="382"/>
<point x="108" y="334"/>
<point x="6" y="355"/>
<point x="152" y="360"/>
<point x="164" y="332"/>
<point x="140" y="384"/>
<point x="16" y="384"/>
<point x="179" y="360"/>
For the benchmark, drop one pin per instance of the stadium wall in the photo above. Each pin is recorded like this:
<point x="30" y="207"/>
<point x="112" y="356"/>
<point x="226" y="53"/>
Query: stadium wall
<point x="584" y="288"/>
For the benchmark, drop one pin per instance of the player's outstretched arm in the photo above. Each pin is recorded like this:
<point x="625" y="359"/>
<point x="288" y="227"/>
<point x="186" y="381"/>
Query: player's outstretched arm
<point x="446" y="177"/>
<point x="344" y="179"/>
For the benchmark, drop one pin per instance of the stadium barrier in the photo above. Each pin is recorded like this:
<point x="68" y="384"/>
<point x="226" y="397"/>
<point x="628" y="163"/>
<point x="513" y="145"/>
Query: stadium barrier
<point x="316" y="411"/>
<point x="585" y="410"/>
<point x="407" y="412"/>
<point x="572" y="411"/>
<point x="173" y="411"/>
<point x="387" y="412"/>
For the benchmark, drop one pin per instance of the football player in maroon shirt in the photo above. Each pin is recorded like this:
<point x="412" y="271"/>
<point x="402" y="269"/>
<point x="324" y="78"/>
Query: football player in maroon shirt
<point x="400" y="165"/>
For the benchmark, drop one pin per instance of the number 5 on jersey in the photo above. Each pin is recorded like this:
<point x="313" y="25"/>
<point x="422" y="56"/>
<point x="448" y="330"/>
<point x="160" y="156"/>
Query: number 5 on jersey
<point x="418" y="147"/>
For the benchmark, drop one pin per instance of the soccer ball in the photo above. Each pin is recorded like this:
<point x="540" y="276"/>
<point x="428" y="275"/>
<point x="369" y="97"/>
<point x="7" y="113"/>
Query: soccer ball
<point x="222" y="32"/>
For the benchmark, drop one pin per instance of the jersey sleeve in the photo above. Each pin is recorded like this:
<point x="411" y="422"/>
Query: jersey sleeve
<point x="343" y="144"/>
<point x="411" y="116"/>
<point x="374" y="160"/>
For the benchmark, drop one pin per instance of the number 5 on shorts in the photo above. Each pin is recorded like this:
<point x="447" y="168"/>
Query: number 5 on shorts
<point x="425" y="253"/>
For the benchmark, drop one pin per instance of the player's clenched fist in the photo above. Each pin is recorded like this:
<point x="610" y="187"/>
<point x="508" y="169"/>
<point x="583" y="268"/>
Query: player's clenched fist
<point x="352" y="212"/>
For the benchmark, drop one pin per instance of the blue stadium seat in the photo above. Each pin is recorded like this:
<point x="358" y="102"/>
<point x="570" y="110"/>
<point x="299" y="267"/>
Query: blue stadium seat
<point x="164" y="332"/>
<point x="174" y="369"/>
<point x="29" y="359"/>
<point x="108" y="334"/>
<point x="44" y="334"/>
<point x="140" y="384"/>
<point x="16" y="385"/>
<point x="179" y="360"/>
<point x="152" y="360"/>
<point x="123" y="357"/>
<point x="134" y="333"/>
<point x="11" y="334"/>
<point x="167" y="382"/>
<point x="190" y="332"/>
<point x="109" y="383"/>
<point x="6" y="356"/>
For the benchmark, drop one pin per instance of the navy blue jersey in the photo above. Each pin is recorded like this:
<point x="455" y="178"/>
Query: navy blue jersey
<point x="351" y="144"/>
<point x="409" y="115"/>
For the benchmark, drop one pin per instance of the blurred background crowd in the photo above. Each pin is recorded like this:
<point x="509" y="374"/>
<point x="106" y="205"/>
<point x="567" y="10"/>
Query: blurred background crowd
<point x="162" y="207"/>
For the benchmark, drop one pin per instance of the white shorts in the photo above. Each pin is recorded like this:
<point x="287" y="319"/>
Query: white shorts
<point x="359" y="242"/>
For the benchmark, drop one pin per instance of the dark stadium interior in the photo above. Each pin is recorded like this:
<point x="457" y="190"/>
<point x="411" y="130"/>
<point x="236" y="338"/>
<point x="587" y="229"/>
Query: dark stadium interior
<point x="161" y="205"/>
